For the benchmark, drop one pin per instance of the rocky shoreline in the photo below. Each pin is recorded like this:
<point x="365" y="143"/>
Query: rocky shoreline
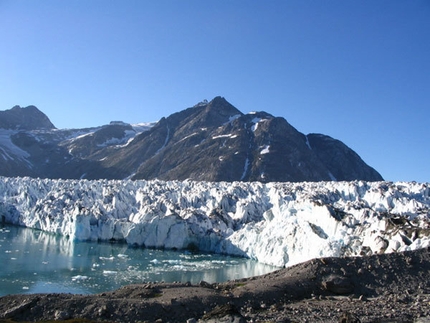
<point x="379" y="288"/>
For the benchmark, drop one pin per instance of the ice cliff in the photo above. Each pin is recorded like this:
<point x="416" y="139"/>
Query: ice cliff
<point x="276" y="223"/>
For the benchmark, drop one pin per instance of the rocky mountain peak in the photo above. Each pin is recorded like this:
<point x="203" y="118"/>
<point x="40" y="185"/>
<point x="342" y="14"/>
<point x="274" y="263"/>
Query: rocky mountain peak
<point x="28" y="118"/>
<point x="211" y="141"/>
<point x="222" y="106"/>
<point x="217" y="112"/>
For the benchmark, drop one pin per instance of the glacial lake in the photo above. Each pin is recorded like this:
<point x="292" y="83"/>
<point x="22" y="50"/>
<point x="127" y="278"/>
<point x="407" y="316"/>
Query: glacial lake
<point x="32" y="261"/>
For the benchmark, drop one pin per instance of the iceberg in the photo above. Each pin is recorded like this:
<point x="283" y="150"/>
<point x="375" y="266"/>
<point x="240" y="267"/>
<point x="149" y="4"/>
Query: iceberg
<point x="280" y="224"/>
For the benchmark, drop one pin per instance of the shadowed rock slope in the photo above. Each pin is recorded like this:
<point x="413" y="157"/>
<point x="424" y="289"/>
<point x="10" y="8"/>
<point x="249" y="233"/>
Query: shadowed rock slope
<point x="212" y="141"/>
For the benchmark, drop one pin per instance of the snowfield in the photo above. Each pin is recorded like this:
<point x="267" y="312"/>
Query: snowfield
<point x="280" y="224"/>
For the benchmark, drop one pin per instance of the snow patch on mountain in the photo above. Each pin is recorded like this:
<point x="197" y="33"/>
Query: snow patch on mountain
<point x="255" y="122"/>
<point x="189" y="136"/>
<point x="307" y="143"/>
<point x="166" y="140"/>
<point x="201" y="104"/>
<point x="129" y="135"/>
<point x="142" y="127"/>
<point x="8" y="150"/>
<point x="230" y="135"/>
<point x="112" y="142"/>
<point x="232" y="118"/>
<point x="276" y="223"/>
<point x="265" y="150"/>
<point x="245" y="169"/>
<point x="85" y="134"/>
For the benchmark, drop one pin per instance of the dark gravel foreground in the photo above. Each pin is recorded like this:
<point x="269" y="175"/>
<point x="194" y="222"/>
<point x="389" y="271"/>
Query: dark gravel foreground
<point x="379" y="288"/>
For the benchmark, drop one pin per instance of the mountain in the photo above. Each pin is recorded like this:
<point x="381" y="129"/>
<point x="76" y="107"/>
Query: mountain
<point x="211" y="141"/>
<point x="29" y="118"/>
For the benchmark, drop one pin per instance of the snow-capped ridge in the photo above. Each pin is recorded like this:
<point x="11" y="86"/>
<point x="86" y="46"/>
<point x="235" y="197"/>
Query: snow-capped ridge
<point x="201" y="104"/>
<point x="211" y="141"/>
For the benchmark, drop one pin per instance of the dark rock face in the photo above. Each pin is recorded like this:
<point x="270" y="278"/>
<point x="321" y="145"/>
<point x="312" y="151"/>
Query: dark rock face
<point x="342" y="162"/>
<point x="212" y="141"/>
<point x="29" y="118"/>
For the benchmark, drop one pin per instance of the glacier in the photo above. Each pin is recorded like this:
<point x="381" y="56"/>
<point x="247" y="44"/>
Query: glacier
<point x="280" y="224"/>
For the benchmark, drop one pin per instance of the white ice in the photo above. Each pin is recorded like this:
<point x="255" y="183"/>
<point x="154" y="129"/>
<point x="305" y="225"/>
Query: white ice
<point x="276" y="223"/>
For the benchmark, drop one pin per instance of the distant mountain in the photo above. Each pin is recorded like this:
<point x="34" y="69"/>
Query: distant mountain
<point x="212" y="141"/>
<point x="29" y="118"/>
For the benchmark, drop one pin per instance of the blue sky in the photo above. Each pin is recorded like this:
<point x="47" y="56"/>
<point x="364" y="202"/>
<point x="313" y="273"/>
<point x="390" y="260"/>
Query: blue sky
<point x="358" y="71"/>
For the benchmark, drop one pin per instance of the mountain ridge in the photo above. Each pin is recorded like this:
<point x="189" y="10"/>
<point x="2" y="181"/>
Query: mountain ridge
<point x="211" y="141"/>
<point x="28" y="118"/>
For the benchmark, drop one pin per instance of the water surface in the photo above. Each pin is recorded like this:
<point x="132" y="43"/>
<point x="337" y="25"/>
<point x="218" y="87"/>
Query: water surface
<point x="33" y="261"/>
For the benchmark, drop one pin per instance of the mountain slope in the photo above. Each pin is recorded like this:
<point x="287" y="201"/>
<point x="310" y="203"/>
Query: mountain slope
<point x="217" y="142"/>
<point x="212" y="141"/>
<point x="341" y="161"/>
<point x="29" y="118"/>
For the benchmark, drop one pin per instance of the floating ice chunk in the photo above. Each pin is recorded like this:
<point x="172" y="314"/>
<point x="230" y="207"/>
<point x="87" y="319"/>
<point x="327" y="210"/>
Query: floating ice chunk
<point x="109" y="272"/>
<point x="107" y="258"/>
<point x="79" y="278"/>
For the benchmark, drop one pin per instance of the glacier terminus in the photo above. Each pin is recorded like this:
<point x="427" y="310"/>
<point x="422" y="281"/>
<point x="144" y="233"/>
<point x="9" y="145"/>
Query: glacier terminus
<point x="280" y="224"/>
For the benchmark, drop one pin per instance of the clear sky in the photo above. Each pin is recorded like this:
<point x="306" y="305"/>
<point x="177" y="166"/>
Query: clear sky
<point x="358" y="71"/>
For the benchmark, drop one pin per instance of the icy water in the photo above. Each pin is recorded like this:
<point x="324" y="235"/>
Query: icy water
<point x="33" y="261"/>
